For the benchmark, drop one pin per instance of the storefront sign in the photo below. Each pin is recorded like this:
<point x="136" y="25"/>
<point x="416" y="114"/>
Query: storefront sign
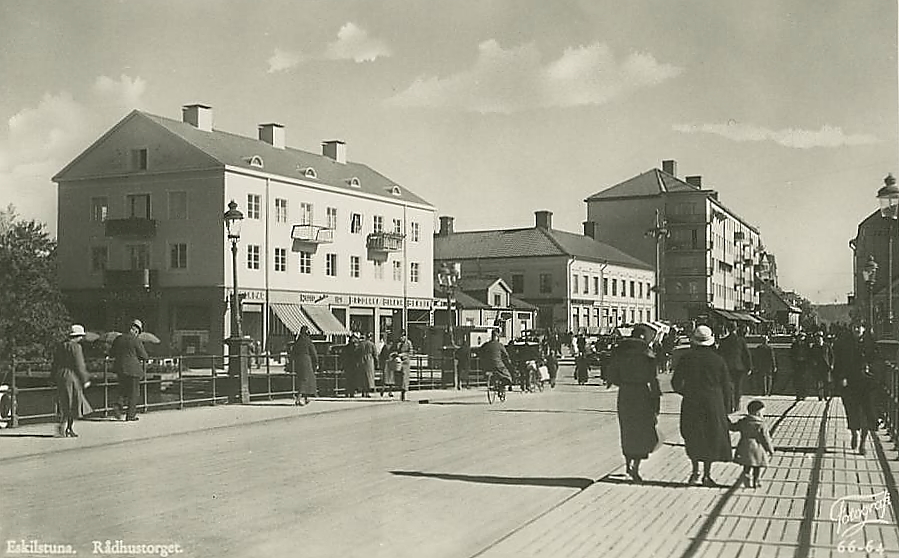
<point x="340" y="299"/>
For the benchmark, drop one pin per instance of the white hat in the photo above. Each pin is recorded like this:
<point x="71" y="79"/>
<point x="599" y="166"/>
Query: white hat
<point x="703" y="336"/>
<point x="77" y="331"/>
<point x="138" y="324"/>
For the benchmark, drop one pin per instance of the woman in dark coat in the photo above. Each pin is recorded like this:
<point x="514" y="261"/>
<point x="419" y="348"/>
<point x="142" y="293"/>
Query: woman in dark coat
<point x="702" y="379"/>
<point x="70" y="375"/>
<point x="366" y="359"/>
<point x="632" y="367"/>
<point x="304" y="359"/>
<point x="401" y="354"/>
<point x="853" y="356"/>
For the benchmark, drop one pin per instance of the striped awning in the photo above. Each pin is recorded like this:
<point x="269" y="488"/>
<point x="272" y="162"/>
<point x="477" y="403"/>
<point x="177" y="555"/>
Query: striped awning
<point x="292" y="316"/>
<point x="324" y="320"/>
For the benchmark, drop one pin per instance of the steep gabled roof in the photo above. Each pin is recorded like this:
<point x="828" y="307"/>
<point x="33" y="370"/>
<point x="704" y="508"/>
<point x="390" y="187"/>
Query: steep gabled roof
<point x="532" y="242"/>
<point x="651" y="183"/>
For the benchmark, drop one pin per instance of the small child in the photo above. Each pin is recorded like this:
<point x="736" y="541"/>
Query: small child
<point x="754" y="447"/>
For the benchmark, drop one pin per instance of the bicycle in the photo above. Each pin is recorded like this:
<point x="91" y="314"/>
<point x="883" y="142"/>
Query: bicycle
<point x="495" y="389"/>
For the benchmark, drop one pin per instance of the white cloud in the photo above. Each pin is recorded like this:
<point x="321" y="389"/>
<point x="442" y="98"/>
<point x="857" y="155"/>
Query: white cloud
<point x="515" y="79"/>
<point x="827" y="136"/>
<point x="353" y="43"/>
<point x="40" y="140"/>
<point x="283" y="60"/>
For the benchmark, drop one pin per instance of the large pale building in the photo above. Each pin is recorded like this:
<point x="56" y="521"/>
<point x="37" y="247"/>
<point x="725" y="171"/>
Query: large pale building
<point x="709" y="259"/>
<point x="326" y="242"/>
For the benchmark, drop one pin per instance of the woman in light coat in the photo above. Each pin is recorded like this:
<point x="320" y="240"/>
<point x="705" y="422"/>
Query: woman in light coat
<point x="70" y="375"/>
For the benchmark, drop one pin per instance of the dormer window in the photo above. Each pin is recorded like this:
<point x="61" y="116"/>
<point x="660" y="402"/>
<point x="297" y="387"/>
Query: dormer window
<point x="256" y="161"/>
<point x="354" y="182"/>
<point x="396" y="190"/>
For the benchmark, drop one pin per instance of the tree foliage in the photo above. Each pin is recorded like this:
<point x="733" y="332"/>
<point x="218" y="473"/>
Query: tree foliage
<point x="32" y="314"/>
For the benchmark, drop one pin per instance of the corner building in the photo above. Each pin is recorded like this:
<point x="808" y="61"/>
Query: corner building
<point x="325" y="242"/>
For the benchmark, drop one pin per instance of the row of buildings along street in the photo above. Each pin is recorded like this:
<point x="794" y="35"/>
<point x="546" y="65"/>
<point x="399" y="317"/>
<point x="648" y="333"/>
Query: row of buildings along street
<point x="334" y="245"/>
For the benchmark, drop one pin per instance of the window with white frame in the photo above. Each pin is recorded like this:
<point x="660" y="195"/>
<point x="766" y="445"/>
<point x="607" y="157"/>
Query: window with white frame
<point x="280" y="210"/>
<point x="305" y="265"/>
<point x="331" y="265"/>
<point x="586" y="285"/>
<point x="354" y="266"/>
<point x="416" y="231"/>
<point x="379" y="269"/>
<point x="280" y="259"/>
<point x="596" y="285"/>
<point x="253" y="251"/>
<point x="178" y="205"/>
<point x="574" y="288"/>
<point x="397" y="226"/>
<point x="332" y="218"/>
<point x="178" y="255"/>
<point x="356" y="223"/>
<point x="414" y="272"/>
<point x="305" y="213"/>
<point x="377" y="223"/>
<point x="99" y="208"/>
<point x="397" y="271"/>
<point x="253" y="206"/>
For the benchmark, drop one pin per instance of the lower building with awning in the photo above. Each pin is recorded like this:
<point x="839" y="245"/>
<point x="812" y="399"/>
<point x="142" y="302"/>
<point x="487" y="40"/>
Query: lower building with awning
<point x="293" y="317"/>
<point x="325" y="322"/>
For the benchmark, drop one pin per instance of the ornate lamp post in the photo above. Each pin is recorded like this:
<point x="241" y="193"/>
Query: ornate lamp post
<point x="869" y="274"/>
<point x="659" y="232"/>
<point x="237" y="345"/>
<point x="888" y="196"/>
<point x="448" y="279"/>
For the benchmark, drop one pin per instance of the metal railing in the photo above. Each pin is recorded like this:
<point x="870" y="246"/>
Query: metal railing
<point x="191" y="380"/>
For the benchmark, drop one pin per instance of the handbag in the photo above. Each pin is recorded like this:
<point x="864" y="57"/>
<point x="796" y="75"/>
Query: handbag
<point x="544" y="372"/>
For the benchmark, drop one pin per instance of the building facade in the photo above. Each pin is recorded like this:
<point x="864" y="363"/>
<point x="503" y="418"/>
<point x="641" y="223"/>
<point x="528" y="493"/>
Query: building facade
<point x="486" y="302"/>
<point x="577" y="283"/>
<point x="876" y="238"/>
<point x="707" y="257"/>
<point x="325" y="242"/>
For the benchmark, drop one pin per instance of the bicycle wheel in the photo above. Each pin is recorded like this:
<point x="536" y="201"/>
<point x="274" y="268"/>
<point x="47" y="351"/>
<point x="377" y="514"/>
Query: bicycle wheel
<point x="491" y="391"/>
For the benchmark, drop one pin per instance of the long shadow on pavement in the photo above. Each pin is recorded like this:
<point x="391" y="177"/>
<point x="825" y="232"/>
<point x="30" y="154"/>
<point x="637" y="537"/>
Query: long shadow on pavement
<point x="558" y="482"/>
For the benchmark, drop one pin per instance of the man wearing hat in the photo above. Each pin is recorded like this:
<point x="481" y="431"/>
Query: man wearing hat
<point x="129" y="354"/>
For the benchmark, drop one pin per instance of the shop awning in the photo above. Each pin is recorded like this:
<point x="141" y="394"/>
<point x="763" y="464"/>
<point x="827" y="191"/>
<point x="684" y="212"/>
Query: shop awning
<point x="292" y="316"/>
<point x="728" y="315"/>
<point x="325" y="320"/>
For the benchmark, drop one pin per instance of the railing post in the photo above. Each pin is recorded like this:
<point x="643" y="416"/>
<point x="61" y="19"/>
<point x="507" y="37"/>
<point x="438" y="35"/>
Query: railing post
<point x="212" y="358"/>
<point x="14" y="406"/>
<point x="180" y="383"/>
<point x="105" y="386"/>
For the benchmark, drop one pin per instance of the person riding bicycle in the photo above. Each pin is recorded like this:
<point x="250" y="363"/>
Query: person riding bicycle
<point x="495" y="359"/>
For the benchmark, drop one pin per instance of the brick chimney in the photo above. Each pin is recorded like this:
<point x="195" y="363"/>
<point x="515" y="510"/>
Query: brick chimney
<point x="670" y="166"/>
<point x="446" y="225"/>
<point x="198" y="116"/>
<point x="695" y="181"/>
<point x="590" y="229"/>
<point x="544" y="219"/>
<point x="334" y="150"/>
<point x="272" y="134"/>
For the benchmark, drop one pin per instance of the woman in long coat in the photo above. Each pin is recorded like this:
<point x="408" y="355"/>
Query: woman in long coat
<point x="702" y="379"/>
<point x="70" y="375"/>
<point x="853" y="356"/>
<point x="385" y="363"/>
<point x="304" y="359"/>
<point x="632" y="367"/>
<point x="366" y="358"/>
<point x="402" y="356"/>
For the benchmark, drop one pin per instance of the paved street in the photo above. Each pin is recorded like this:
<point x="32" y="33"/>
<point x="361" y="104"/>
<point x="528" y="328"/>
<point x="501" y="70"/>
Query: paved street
<point x="538" y="475"/>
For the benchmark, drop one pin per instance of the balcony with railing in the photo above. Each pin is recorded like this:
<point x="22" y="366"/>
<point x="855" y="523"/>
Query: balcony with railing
<point x="384" y="241"/>
<point x="126" y="279"/>
<point x="134" y="227"/>
<point x="313" y="234"/>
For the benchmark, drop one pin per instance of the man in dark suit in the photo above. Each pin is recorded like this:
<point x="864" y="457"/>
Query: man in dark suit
<point x="129" y="353"/>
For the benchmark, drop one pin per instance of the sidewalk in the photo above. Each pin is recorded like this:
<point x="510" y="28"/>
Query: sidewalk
<point x="37" y="439"/>
<point x="813" y="501"/>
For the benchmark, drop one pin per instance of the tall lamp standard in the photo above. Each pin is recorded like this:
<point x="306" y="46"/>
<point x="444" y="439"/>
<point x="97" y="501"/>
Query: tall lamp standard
<point x="448" y="279"/>
<point x="869" y="274"/>
<point x="237" y="345"/>
<point x="888" y="196"/>
<point x="659" y="232"/>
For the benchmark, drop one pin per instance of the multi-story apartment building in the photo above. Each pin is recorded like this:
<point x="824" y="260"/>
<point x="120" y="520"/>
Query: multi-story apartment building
<point x="576" y="282"/>
<point x="875" y="238"/>
<point x="325" y="242"/>
<point x="706" y="255"/>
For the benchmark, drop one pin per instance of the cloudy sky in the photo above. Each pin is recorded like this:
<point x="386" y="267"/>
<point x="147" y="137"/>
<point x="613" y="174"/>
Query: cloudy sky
<point x="492" y="109"/>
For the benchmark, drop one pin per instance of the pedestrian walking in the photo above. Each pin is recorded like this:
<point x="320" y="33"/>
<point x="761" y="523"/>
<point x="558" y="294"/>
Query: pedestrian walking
<point x="754" y="447"/>
<point x="69" y="373"/>
<point x="820" y="365"/>
<point x="732" y="347"/>
<point x="632" y="367"/>
<point x="552" y="363"/>
<point x="130" y="356"/>
<point x="402" y="355"/>
<point x="765" y="364"/>
<point x="463" y="358"/>
<point x="350" y="366"/>
<point x="581" y="368"/>
<point x="304" y="360"/>
<point x="853" y="357"/>
<point x="701" y="377"/>
<point x="366" y="359"/>
<point x="799" y="358"/>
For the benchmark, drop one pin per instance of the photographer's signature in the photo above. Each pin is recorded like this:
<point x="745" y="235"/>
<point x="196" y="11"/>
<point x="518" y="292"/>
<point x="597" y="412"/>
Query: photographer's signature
<point x="852" y="513"/>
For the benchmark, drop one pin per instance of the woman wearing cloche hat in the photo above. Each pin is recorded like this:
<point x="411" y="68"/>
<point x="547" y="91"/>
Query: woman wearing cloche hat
<point x="701" y="378"/>
<point x="70" y="376"/>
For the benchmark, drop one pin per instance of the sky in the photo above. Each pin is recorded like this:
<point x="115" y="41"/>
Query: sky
<point x="493" y="109"/>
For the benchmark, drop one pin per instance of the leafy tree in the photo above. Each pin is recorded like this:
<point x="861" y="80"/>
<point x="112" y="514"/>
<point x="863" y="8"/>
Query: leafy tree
<point x="32" y="314"/>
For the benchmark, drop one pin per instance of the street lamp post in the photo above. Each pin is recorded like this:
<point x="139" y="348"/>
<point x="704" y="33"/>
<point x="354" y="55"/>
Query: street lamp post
<point x="448" y="279"/>
<point x="888" y="196"/>
<point x="659" y="232"/>
<point x="869" y="274"/>
<point x="238" y="346"/>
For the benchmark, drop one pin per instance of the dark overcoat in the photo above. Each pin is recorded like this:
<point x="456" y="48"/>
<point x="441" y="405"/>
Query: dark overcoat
<point x="632" y="367"/>
<point x="702" y="379"/>
<point x="366" y="356"/>
<point x="128" y="352"/>
<point x="69" y="373"/>
<point x="755" y="442"/>
<point x="304" y="361"/>
<point x="852" y="361"/>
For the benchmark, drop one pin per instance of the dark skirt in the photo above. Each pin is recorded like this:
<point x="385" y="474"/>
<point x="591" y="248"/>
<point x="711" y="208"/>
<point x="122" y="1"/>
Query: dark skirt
<point x="70" y="396"/>
<point x="705" y="428"/>
<point x="306" y="384"/>
<point x="637" y="420"/>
